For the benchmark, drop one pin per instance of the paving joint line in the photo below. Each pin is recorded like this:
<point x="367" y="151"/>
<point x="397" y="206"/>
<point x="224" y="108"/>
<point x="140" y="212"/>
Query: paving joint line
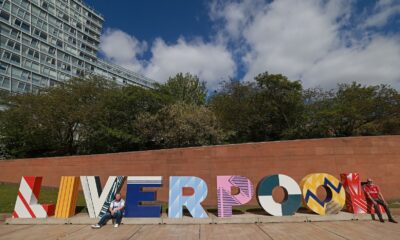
<point x="334" y="233"/>
<point x="265" y="232"/>
<point x="199" y="231"/>
<point x="133" y="235"/>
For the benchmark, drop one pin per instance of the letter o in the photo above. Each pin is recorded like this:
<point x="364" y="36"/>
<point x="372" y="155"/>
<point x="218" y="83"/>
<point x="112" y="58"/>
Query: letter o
<point x="292" y="200"/>
<point x="336" y="195"/>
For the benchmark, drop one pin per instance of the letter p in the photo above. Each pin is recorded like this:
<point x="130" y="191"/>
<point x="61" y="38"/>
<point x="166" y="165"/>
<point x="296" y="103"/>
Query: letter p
<point x="225" y="198"/>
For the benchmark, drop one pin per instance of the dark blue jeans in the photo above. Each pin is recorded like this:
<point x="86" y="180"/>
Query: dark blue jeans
<point x="117" y="216"/>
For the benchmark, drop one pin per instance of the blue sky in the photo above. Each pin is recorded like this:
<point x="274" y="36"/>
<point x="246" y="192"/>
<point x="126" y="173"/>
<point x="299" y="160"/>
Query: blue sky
<point x="320" y="42"/>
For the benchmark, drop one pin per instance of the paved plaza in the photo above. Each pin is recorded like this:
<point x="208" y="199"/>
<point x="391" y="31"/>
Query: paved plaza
<point x="297" y="230"/>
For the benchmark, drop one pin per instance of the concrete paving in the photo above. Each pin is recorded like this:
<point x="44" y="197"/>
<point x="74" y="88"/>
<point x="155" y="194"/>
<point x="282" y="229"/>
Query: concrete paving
<point x="335" y="230"/>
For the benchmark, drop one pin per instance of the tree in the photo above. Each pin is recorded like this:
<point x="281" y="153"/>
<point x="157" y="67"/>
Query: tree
<point x="52" y="122"/>
<point x="236" y="110"/>
<point x="180" y="125"/>
<point x="280" y="101"/>
<point x="268" y="109"/>
<point x="113" y="130"/>
<point x="353" y="110"/>
<point x="82" y="116"/>
<point x="185" y="88"/>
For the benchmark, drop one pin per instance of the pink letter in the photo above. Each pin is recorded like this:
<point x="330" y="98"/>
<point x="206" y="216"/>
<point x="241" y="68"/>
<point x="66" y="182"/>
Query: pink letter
<point x="225" y="198"/>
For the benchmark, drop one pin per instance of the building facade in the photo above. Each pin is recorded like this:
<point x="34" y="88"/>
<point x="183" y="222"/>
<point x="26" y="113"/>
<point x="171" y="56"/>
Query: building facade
<point x="46" y="42"/>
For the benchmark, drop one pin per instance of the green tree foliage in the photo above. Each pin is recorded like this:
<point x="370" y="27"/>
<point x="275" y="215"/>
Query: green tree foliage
<point x="180" y="125"/>
<point x="92" y="115"/>
<point x="185" y="88"/>
<point x="268" y="109"/>
<point x="353" y="110"/>
<point x="274" y="108"/>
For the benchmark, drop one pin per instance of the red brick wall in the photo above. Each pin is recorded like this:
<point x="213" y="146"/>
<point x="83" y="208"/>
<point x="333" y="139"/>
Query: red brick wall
<point x="375" y="157"/>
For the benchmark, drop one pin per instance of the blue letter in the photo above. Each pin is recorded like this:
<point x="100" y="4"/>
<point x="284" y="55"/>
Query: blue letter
<point x="192" y="203"/>
<point x="135" y="196"/>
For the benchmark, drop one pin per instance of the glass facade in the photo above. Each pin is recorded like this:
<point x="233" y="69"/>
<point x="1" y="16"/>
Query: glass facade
<point x="45" y="42"/>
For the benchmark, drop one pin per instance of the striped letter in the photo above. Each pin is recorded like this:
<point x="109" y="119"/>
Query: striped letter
<point x="192" y="203"/>
<point x="67" y="197"/>
<point x="225" y="198"/>
<point x="98" y="201"/>
<point x="355" y="198"/>
<point x="27" y="201"/>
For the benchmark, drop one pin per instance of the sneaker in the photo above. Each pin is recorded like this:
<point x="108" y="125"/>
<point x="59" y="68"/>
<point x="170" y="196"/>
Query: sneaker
<point x="116" y="225"/>
<point x="381" y="220"/>
<point x="392" y="221"/>
<point x="97" y="226"/>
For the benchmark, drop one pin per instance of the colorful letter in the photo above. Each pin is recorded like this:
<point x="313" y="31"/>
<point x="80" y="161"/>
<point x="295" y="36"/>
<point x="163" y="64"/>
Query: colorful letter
<point x="27" y="205"/>
<point x="292" y="200"/>
<point x="225" y="198"/>
<point x="192" y="203"/>
<point x="98" y="201"/>
<point x="336" y="196"/>
<point x="135" y="196"/>
<point x="67" y="196"/>
<point x="355" y="198"/>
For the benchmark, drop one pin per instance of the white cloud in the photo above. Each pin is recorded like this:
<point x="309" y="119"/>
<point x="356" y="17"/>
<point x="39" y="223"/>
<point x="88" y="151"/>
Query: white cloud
<point x="122" y="49"/>
<point x="384" y="10"/>
<point x="211" y="62"/>
<point x="310" y="40"/>
<point x="305" y="40"/>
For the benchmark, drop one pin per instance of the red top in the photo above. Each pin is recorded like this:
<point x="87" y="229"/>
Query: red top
<point x="373" y="190"/>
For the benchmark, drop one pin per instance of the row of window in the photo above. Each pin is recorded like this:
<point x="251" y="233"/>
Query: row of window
<point x="40" y="29"/>
<point x="35" y="66"/>
<point x="20" y="12"/>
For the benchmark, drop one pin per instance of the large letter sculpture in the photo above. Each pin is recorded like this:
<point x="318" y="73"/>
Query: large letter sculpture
<point x="67" y="197"/>
<point x="98" y="201"/>
<point x="292" y="199"/>
<point x="192" y="203"/>
<point x="27" y="205"/>
<point x="225" y="198"/>
<point x="135" y="196"/>
<point x="355" y="198"/>
<point x="336" y="196"/>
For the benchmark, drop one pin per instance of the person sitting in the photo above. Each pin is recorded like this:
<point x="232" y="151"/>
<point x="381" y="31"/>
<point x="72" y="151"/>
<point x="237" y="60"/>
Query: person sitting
<point x="374" y="196"/>
<point x="115" y="212"/>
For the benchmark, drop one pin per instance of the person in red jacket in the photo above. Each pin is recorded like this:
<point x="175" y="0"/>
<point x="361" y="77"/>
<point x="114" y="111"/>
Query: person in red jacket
<point x="373" y="194"/>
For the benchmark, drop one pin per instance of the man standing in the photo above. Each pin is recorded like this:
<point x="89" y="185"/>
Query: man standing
<point x="374" y="196"/>
<point x="115" y="212"/>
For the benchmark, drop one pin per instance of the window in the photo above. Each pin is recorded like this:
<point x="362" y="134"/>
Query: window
<point x="15" y="58"/>
<point x="44" y="5"/>
<point x="4" y="82"/>
<point x="31" y="53"/>
<point x="40" y="34"/>
<point x="4" y="15"/>
<point x="3" y="68"/>
<point x="25" y="26"/>
<point x="31" y="65"/>
<point x="22" y="24"/>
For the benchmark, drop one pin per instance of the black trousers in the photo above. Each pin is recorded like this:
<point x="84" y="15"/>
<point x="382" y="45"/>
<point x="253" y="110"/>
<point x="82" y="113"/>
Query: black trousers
<point x="378" y="211"/>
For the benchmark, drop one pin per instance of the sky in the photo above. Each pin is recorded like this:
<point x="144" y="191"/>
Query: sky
<point x="320" y="42"/>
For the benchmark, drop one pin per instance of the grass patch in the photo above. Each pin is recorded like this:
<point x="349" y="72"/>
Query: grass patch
<point x="9" y="192"/>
